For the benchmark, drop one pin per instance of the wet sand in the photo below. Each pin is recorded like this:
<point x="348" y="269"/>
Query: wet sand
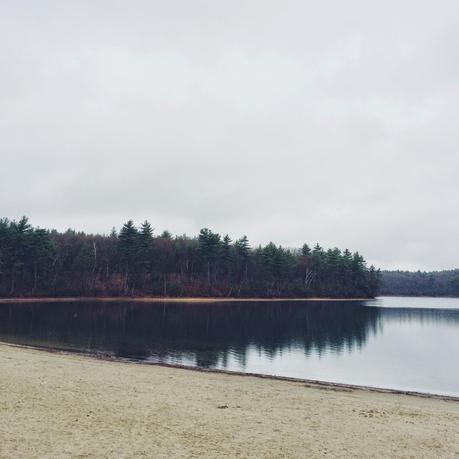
<point x="61" y="406"/>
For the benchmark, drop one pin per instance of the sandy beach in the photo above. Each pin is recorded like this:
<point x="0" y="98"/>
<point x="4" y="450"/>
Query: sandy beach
<point x="65" y="406"/>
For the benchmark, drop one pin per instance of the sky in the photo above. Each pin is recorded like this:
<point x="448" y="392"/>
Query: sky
<point x="288" y="121"/>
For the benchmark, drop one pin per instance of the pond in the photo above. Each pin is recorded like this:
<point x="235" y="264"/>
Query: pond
<point x="397" y="343"/>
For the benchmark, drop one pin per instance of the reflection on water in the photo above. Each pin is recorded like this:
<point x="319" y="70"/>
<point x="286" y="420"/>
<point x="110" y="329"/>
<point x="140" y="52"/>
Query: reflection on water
<point x="209" y="332"/>
<point x="352" y="342"/>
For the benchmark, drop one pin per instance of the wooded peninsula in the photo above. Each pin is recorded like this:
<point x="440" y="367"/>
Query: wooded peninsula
<point x="135" y="262"/>
<point x="420" y="283"/>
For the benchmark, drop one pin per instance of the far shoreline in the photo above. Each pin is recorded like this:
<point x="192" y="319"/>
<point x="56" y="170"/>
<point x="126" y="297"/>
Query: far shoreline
<point x="158" y="299"/>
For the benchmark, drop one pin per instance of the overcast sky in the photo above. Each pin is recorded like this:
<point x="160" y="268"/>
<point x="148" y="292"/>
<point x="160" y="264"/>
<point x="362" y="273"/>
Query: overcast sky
<point x="293" y="121"/>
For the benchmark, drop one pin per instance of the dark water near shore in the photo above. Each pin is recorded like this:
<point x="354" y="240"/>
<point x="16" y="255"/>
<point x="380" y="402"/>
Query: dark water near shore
<point x="398" y="343"/>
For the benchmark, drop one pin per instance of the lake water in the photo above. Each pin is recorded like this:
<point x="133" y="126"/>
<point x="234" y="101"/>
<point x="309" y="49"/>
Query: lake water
<point x="398" y="343"/>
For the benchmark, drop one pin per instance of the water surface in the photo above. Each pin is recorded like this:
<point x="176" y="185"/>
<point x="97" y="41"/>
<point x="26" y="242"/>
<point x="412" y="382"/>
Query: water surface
<point x="398" y="343"/>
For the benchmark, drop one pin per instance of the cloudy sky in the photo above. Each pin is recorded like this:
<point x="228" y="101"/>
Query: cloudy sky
<point x="292" y="121"/>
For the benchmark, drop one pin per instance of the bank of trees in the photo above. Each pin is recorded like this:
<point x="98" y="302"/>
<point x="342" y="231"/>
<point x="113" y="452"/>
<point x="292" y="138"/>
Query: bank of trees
<point x="420" y="283"/>
<point x="135" y="261"/>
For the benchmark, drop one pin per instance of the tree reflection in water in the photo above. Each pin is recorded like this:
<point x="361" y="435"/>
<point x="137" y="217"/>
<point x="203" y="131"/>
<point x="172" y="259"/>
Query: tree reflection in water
<point x="205" y="333"/>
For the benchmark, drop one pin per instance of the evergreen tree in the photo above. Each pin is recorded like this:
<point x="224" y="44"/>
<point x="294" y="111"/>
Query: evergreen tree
<point x="128" y="248"/>
<point x="41" y="253"/>
<point x="209" y="247"/>
<point x="243" y="251"/>
<point x="305" y="250"/>
<point x="22" y="241"/>
<point x="166" y="235"/>
<point x="146" y="234"/>
<point x="34" y="261"/>
<point x="226" y="255"/>
<point x="145" y="239"/>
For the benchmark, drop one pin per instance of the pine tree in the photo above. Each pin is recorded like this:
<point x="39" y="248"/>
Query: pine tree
<point x="22" y="241"/>
<point x="146" y="233"/>
<point x="226" y="254"/>
<point x="243" y="247"/>
<point x="42" y="250"/>
<point x="166" y="235"/>
<point x="243" y="250"/>
<point x="209" y="247"/>
<point x="128" y="248"/>
<point x="305" y="250"/>
<point x="145" y="256"/>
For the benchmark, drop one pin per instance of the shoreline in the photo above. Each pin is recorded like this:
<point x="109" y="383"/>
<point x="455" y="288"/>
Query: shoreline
<point x="68" y="405"/>
<point x="156" y="299"/>
<point x="315" y="383"/>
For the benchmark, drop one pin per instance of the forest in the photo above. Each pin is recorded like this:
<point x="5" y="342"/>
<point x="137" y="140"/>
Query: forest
<point x="134" y="262"/>
<point x="420" y="283"/>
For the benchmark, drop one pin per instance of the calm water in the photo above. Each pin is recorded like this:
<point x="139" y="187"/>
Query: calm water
<point x="400" y="343"/>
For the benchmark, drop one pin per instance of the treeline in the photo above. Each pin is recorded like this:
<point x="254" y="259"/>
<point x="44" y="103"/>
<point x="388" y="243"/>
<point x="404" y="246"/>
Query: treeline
<point x="133" y="262"/>
<point x="420" y="283"/>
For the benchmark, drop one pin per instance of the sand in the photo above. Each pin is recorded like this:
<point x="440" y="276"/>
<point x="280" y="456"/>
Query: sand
<point x="67" y="406"/>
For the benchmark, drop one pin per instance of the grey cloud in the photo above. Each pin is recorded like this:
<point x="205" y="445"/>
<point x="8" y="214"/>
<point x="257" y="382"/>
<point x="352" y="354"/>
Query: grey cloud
<point x="288" y="121"/>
